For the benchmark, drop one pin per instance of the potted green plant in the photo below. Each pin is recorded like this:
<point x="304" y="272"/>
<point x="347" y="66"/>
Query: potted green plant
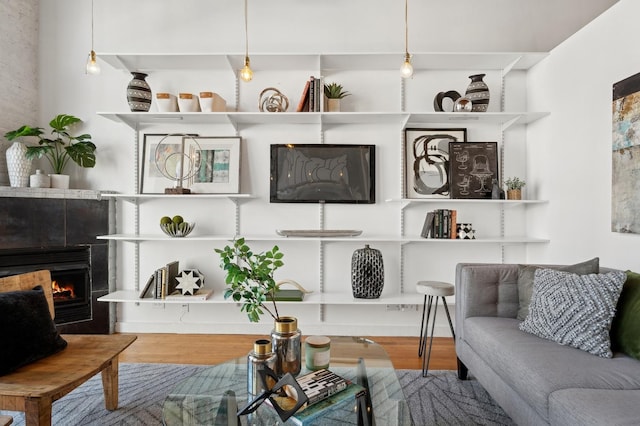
<point x="334" y="92"/>
<point x="250" y="281"/>
<point x="514" y="188"/>
<point x="250" y="278"/>
<point x="63" y="146"/>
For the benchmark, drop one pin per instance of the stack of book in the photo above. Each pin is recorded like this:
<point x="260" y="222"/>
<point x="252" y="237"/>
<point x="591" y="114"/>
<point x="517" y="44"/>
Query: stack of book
<point x="312" y="95"/>
<point x="162" y="282"/>
<point x="440" y="223"/>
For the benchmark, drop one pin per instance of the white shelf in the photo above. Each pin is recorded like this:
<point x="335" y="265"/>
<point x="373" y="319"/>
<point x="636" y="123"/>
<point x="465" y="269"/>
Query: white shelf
<point x="463" y="201"/>
<point x="483" y="240"/>
<point x="132" y="198"/>
<point x="130" y="296"/>
<point x="137" y="119"/>
<point x="232" y="62"/>
<point x="162" y="237"/>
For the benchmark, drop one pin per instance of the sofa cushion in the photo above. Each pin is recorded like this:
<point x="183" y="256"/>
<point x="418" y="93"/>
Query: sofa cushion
<point x="526" y="275"/>
<point x="594" y="407"/>
<point x="574" y="310"/>
<point x="27" y="330"/>
<point x="625" y="330"/>
<point x="535" y="367"/>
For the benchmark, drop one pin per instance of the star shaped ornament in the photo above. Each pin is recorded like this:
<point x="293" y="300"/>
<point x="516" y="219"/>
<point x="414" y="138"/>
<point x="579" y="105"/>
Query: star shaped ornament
<point x="189" y="282"/>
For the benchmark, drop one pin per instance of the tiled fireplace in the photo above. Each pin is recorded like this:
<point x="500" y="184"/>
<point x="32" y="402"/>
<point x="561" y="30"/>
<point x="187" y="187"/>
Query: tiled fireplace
<point x="56" y="230"/>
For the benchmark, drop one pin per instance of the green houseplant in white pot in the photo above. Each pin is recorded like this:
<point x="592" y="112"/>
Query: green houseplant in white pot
<point x="334" y="94"/>
<point x="62" y="147"/>
<point x="250" y="281"/>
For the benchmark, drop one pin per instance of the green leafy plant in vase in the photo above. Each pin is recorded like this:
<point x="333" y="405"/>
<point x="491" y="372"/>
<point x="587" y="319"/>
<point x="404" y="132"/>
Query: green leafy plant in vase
<point x="250" y="278"/>
<point x="334" y="92"/>
<point x="514" y="188"/>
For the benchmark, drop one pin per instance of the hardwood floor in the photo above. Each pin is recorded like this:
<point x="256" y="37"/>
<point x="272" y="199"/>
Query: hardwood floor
<point x="216" y="348"/>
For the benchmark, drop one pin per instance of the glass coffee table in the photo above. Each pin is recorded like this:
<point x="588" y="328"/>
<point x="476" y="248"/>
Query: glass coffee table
<point x="212" y="396"/>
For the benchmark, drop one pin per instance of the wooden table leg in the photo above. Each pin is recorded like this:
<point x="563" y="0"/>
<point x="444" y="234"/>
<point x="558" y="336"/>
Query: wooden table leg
<point x="110" y="384"/>
<point x="37" y="411"/>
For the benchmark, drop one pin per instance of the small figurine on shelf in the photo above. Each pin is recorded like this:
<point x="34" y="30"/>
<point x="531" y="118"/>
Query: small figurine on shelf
<point x="497" y="193"/>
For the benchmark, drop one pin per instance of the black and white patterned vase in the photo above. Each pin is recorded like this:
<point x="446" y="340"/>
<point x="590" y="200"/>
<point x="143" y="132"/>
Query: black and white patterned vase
<point x="139" y="93"/>
<point x="478" y="93"/>
<point x="367" y="273"/>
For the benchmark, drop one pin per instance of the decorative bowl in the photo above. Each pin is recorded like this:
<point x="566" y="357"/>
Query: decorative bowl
<point x="177" y="229"/>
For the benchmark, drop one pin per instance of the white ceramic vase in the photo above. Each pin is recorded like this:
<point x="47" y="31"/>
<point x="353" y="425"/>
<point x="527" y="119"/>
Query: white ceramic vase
<point x="59" y="181"/>
<point x="18" y="166"/>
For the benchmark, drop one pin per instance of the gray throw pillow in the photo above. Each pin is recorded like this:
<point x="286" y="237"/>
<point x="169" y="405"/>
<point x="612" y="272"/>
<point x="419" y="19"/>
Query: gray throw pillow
<point x="525" y="280"/>
<point x="574" y="310"/>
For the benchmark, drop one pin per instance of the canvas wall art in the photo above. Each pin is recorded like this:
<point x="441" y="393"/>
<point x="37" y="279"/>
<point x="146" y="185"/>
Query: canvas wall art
<point x="625" y="191"/>
<point x="427" y="161"/>
<point x="473" y="167"/>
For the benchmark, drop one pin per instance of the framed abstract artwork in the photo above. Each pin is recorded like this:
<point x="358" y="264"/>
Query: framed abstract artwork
<point x="201" y="164"/>
<point x="625" y="191"/>
<point x="427" y="161"/>
<point x="472" y="169"/>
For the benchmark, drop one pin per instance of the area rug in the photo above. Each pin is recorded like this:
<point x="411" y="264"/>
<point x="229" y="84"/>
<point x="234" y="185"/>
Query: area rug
<point x="440" y="399"/>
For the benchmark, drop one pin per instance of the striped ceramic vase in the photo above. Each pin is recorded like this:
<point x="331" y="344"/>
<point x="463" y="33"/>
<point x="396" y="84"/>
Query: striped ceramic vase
<point x="139" y="93"/>
<point x="478" y="93"/>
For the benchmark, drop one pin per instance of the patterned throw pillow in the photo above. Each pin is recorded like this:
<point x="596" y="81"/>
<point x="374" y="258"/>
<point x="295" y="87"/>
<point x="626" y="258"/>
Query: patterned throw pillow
<point x="574" y="310"/>
<point x="527" y="272"/>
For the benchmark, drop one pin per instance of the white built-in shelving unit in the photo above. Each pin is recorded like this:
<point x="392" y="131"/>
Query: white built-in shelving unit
<point x="397" y="116"/>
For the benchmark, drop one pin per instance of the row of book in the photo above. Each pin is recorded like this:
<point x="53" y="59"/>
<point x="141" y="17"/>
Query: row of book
<point x="312" y="95"/>
<point x="162" y="284"/>
<point x="440" y="223"/>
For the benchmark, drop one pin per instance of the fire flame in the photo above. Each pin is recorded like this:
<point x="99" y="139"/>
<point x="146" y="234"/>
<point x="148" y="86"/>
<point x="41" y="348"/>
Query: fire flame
<point x="68" y="288"/>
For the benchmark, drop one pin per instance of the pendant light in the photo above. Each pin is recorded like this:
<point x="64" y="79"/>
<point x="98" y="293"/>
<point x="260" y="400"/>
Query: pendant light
<point x="406" y="70"/>
<point x="246" y="74"/>
<point x="92" y="66"/>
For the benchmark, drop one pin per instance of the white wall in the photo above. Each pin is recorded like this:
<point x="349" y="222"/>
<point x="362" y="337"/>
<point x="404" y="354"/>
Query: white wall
<point x="570" y="152"/>
<point x="282" y="26"/>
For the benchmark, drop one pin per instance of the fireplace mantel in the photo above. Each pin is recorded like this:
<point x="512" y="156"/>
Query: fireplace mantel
<point x="41" y="218"/>
<point x="68" y="194"/>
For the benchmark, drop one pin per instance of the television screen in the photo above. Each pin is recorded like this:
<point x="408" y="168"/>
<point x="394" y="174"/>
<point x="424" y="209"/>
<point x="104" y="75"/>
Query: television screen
<point x="323" y="173"/>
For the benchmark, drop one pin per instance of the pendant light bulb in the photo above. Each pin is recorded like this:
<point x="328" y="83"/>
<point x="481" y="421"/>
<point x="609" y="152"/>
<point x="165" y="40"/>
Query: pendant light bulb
<point x="246" y="74"/>
<point x="406" y="70"/>
<point x="92" y="64"/>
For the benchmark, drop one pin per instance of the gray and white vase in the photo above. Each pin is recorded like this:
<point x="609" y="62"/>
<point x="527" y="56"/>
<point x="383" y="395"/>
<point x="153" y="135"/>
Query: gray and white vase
<point x="478" y="93"/>
<point x="139" y="93"/>
<point x="367" y="273"/>
<point x="18" y="165"/>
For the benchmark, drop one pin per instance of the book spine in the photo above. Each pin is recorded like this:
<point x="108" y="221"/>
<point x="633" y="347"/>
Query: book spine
<point x="454" y="224"/>
<point x="312" y="94"/>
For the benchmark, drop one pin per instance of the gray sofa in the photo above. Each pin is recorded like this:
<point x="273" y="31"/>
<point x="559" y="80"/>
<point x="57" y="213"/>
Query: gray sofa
<point x="536" y="381"/>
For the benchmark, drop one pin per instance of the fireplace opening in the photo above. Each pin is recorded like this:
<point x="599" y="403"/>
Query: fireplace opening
<point x="70" y="277"/>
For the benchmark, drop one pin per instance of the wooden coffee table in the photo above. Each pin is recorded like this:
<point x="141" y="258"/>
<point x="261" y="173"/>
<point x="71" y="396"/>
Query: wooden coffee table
<point x="202" y="398"/>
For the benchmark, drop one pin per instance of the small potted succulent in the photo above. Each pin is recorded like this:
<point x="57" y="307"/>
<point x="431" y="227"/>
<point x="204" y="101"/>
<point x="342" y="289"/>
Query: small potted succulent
<point x="514" y="188"/>
<point x="334" y="93"/>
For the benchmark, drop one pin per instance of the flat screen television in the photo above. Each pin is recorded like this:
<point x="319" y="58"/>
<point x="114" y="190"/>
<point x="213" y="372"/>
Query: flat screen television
<point x="323" y="173"/>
